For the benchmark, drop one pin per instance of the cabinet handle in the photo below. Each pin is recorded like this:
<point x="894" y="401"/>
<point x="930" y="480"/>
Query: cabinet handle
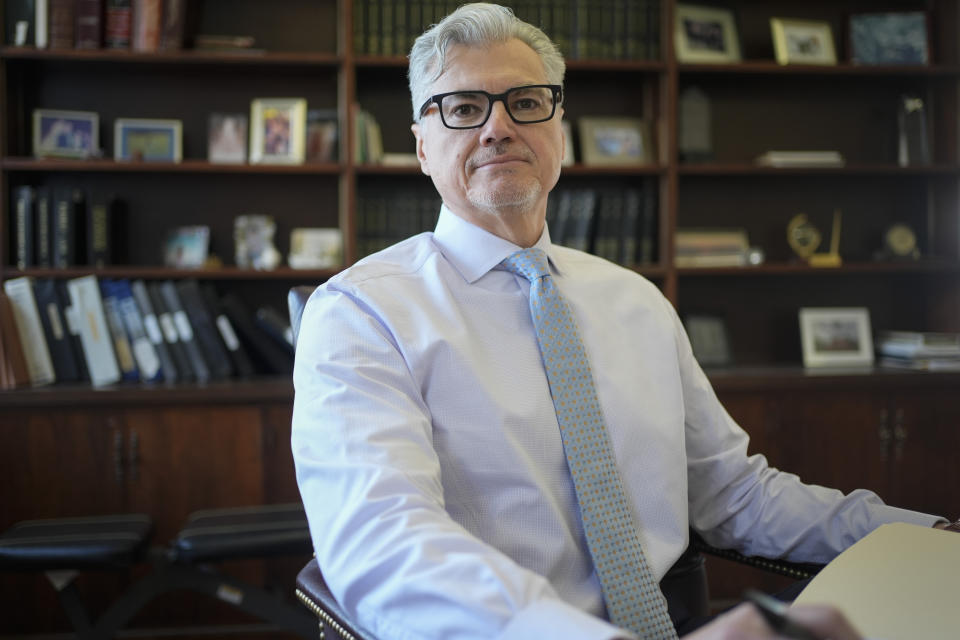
<point x="885" y="434"/>
<point x="118" y="456"/>
<point x="134" y="455"/>
<point x="899" y="434"/>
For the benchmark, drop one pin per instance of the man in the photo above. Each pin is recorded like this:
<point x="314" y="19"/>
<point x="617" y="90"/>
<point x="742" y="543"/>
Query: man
<point x="430" y="431"/>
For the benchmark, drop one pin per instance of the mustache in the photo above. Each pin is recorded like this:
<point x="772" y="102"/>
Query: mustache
<point x="486" y="154"/>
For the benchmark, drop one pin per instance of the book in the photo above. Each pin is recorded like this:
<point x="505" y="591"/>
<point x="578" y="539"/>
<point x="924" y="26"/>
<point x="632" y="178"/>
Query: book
<point x="921" y="364"/>
<point x="13" y="363"/>
<point x="40" y="32"/>
<point x="207" y="335"/>
<point x="275" y="326"/>
<point x="174" y="24"/>
<point x="171" y="299"/>
<point x="69" y="219"/>
<point x="897" y="583"/>
<point x="122" y="346"/>
<point x="918" y="344"/>
<point x="87" y="305"/>
<point x="788" y="159"/>
<point x="23" y="227"/>
<point x="269" y="356"/>
<point x="89" y="24"/>
<point x="151" y="326"/>
<point x="106" y="220"/>
<point x="242" y="363"/>
<point x="144" y="353"/>
<point x="20" y="18"/>
<point x="117" y="24"/>
<point x="913" y="146"/>
<point x="43" y="227"/>
<point x="178" y="351"/>
<point x="146" y="25"/>
<point x="32" y="339"/>
<point x="56" y="331"/>
<point x="62" y="24"/>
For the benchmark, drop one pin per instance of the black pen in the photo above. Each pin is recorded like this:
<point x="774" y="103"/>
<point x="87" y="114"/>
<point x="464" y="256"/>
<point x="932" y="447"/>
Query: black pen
<point x="775" y="613"/>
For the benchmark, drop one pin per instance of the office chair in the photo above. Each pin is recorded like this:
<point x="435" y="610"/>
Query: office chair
<point x="685" y="585"/>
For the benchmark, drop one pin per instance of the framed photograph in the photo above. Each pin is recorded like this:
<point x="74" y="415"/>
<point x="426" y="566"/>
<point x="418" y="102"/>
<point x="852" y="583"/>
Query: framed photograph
<point x="705" y="34"/>
<point x="145" y="140"/>
<point x="614" y="141"/>
<point x="187" y="247"/>
<point x="322" y="128"/>
<point x="803" y="41"/>
<point x="315" y="248"/>
<point x="227" y="138"/>
<point x="890" y="38"/>
<point x="278" y="130"/>
<point x="709" y="340"/>
<point x="836" y="336"/>
<point x="65" y="134"/>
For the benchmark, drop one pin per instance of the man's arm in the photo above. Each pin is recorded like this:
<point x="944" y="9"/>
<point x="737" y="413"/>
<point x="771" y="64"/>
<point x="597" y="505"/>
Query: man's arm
<point x="371" y="483"/>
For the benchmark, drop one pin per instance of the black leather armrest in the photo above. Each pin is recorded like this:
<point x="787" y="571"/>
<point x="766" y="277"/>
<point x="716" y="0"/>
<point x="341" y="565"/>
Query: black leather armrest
<point x="314" y="593"/>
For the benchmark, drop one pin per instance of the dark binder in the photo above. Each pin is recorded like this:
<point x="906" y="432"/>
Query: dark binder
<point x="151" y="324"/>
<point x="270" y="357"/>
<point x="69" y="207"/>
<point x="276" y="326"/>
<point x="207" y="336"/>
<point x="20" y="11"/>
<point x="23" y="228"/>
<point x="43" y="227"/>
<point x="73" y="331"/>
<point x="105" y="231"/>
<point x="146" y="356"/>
<point x="185" y="330"/>
<point x="56" y="331"/>
<point x="235" y="347"/>
<point x="178" y="351"/>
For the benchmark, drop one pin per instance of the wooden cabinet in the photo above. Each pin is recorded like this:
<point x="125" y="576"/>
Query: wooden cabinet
<point x="164" y="452"/>
<point x="892" y="434"/>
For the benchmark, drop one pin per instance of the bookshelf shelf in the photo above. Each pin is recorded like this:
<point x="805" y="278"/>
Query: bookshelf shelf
<point x="241" y="57"/>
<point x="920" y="268"/>
<point x="168" y="273"/>
<point x="769" y="67"/>
<point x="738" y="169"/>
<point x="187" y="166"/>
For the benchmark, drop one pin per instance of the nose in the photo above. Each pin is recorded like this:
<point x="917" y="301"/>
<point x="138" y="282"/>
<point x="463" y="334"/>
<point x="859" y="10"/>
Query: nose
<point x="499" y="126"/>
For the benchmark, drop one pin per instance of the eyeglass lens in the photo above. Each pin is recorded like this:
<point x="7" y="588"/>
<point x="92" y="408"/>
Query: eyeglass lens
<point x="525" y="104"/>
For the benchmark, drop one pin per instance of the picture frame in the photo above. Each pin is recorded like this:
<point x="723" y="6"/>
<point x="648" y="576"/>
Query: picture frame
<point x="890" y="38"/>
<point x="709" y="340"/>
<point x="803" y="41"/>
<point x="59" y="133"/>
<point x="187" y="247"/>
<point x="227" y="138"/>
<point x="147" y="140"/>
<point x="836" y="336"/>
<point x="278" y="130"/>
<point x="705" y="34"/>
<point x="614" y="141"/>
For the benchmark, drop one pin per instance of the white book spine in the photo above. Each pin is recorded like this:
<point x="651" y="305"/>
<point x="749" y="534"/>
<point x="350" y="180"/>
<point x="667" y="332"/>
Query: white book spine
<point x="27" y="318"/>
<point x="40" y="28"/>
<point x="94" y="335"/>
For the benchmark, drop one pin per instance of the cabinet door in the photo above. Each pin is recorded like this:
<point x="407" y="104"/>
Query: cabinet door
<point x="925" y="439"/>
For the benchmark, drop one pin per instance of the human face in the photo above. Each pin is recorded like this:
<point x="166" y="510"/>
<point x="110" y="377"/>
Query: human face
<point x="498" y="175"/>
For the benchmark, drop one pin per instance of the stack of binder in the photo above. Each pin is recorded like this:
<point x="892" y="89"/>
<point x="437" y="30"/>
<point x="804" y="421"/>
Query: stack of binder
<point x="919" y="350"/>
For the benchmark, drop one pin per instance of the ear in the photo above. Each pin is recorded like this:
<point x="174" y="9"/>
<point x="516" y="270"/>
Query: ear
<point x="421" y="154"/>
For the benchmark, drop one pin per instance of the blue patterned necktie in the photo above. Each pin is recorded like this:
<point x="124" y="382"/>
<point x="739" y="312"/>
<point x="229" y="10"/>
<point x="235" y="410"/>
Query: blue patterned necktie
<point x="633" y="598"/>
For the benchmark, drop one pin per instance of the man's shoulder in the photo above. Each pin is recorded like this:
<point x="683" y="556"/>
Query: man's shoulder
<point x="399" y="260"/>
<point x="594" y="267"/>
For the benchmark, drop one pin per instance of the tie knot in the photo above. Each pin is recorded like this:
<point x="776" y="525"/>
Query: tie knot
<point x="529" y="263"/>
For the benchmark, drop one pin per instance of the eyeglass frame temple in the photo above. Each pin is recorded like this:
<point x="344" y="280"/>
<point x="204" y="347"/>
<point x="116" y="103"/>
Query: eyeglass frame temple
<point x="495" y="97"/>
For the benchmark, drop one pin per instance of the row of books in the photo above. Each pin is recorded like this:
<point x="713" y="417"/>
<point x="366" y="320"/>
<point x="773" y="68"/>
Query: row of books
<point x="65" y="227"/>
<point x="919" y="350"/>
<point x="606" y="29"/>
<point x="141" y="25"/>
<point x="106" y="331"/>
<point x="615" y="223"/>
<point x="387" y="215"/>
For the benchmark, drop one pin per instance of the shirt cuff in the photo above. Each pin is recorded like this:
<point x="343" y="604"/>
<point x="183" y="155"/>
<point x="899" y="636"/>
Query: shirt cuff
<point x="558" y="620"/>
<point x="896" y="514"/>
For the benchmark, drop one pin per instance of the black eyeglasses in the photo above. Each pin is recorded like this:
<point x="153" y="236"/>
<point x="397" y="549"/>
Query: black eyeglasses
<point x="471" y="109"/>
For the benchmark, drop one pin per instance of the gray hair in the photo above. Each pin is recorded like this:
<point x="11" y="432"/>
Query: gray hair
<point x="477" y="24"/>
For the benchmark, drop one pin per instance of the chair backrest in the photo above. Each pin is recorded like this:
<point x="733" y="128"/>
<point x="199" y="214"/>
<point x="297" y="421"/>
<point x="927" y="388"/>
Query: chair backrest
<point x="296" y="300"/>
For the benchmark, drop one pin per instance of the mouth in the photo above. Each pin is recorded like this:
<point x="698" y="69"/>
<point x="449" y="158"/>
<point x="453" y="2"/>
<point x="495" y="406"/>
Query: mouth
<point x="501" y="161"/>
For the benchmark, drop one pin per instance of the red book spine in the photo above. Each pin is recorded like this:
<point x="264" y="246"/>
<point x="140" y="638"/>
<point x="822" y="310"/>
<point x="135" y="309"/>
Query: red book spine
<point x="147" y="15"/>
<point x="118" y="20"/>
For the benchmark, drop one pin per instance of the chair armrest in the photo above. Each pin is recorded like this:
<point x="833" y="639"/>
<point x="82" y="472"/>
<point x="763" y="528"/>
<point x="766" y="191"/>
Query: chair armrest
<point x="795" y="570"/>
<point x="313" y="592"/>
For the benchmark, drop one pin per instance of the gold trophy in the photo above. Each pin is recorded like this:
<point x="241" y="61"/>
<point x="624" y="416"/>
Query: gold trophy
<point x="804" y="238"/>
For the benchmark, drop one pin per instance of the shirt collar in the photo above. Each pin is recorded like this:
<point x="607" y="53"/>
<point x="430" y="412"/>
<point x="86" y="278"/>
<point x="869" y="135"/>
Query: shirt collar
<point x="474" y="251"/>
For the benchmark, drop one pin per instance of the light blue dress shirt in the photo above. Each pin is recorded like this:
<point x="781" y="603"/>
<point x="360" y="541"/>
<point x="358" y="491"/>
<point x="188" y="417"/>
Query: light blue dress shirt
<point x="430" y="462"/>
